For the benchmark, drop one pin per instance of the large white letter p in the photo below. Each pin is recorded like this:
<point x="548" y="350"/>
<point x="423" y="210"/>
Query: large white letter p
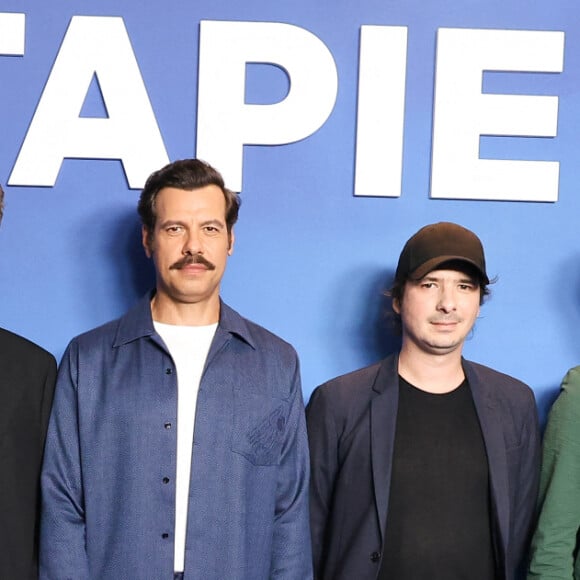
<point x="225" y="123"/>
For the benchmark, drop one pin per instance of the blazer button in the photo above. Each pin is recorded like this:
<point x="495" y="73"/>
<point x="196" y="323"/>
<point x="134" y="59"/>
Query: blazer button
<point x="375" y="557"/>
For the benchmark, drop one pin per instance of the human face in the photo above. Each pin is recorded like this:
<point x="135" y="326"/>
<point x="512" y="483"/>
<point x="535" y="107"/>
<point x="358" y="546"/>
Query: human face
<point x="438" y="311"/>
<point x="189" y="245"/>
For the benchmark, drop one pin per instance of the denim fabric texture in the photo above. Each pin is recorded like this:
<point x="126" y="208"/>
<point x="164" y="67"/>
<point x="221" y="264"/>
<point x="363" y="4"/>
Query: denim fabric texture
<point x="108" y="477"/>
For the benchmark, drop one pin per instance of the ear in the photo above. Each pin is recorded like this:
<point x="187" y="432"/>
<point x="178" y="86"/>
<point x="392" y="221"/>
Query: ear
<point x="396" y="303"/>
<point x="231" y="239"/>
<point x="146" y="241"/>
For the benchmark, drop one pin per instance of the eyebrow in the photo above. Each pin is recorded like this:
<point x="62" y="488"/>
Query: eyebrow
<point x="212" y="222"/>
<point x="167" y="223"/>
<point x="464" y="279"/>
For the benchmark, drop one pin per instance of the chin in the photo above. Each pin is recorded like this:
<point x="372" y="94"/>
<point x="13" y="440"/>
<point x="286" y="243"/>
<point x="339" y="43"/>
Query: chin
<point x="444" y="347"/>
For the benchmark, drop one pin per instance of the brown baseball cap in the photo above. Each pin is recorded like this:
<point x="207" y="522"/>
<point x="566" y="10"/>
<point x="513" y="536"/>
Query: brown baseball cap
<point x="435" y="244"/>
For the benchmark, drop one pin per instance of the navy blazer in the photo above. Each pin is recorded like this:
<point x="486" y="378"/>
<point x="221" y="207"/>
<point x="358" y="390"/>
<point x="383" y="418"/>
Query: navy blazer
<point x="351" y="426"/>
<point x="27" y="376"/>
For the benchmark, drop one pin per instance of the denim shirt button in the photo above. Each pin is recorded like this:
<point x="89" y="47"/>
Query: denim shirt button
<point x="168" y="371"/>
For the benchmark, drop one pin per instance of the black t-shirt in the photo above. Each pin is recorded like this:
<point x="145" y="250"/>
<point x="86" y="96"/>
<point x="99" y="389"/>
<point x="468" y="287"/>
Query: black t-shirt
<point x="438" y="524"/>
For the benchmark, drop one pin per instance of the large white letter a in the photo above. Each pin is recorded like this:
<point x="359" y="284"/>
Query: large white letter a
<point x="92" y="46"/>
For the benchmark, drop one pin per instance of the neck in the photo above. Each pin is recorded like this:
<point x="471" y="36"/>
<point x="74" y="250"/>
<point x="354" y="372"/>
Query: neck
<point x="433" y="373"/>
<point x="170" y="311"/>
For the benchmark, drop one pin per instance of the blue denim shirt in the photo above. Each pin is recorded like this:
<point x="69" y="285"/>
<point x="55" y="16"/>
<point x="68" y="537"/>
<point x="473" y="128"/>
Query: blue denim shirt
<point x="108" y="493"/>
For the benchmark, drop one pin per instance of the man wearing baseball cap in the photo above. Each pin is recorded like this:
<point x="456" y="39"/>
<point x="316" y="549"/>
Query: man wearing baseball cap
<point x="425" y="465"/>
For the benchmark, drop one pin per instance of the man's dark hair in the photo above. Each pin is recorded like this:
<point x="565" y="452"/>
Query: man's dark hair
<point x="185" y="174"/>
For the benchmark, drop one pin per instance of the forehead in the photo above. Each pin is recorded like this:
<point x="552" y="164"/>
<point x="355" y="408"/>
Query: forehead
<point x="172" y="201"/>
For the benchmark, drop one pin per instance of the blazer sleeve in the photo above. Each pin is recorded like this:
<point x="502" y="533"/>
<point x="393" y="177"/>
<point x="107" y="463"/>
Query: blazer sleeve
<point x="526" y="491"/>
<point x="323" y="441"/>
<point x="291" y="551"/>
<point x="62" y="534"/>
<point x="47" y="396"/>
<point x="554" y="543"/>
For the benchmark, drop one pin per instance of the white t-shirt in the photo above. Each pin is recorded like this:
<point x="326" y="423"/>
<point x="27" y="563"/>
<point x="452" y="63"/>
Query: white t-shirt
<point x="188" y="347"/>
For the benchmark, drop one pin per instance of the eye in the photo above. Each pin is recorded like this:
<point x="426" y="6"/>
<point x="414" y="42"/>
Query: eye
<point x="173" y="230"/>
<point x="466" y="286"/>
<point x="428" y="285"/>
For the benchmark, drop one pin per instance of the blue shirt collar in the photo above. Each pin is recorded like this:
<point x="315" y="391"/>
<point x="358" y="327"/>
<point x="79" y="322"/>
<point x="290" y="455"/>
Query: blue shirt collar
<point x="138" y="323"/>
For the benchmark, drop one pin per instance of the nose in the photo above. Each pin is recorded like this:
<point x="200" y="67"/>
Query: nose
<point x="446" y="299"/>
<point x="192" y="243"/>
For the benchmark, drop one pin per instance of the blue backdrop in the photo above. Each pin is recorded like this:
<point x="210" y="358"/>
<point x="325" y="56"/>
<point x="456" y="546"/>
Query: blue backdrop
<point x="313" y="253"/>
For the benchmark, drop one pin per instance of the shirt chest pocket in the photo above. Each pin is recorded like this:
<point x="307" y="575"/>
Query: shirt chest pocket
<point x="259" y="427"/>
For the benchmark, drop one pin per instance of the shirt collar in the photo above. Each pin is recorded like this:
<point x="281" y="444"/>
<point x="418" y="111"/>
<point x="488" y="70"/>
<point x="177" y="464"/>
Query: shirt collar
<point x="138" y="323"/>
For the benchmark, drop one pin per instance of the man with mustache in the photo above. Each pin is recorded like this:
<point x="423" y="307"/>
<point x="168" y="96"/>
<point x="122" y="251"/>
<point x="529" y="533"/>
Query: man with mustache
<point x="177" y="446"/>
<point x="27" y="375"/>
<point x="425" y="466"/>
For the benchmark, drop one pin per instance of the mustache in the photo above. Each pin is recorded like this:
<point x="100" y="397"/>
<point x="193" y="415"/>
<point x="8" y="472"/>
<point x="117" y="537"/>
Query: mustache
<point x="189" y="259"/>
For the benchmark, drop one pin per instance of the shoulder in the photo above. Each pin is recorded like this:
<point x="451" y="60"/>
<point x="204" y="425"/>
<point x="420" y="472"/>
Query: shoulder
<point x="571" y="383"/>
<point x="494" y="375"/>
<point x="341" y="405"/>
<point x="260" y="338"/>
<point x="265" y="338"/>
<point x="132" y="325"/>
<point x="13" y="346"/>
<point x="500" y="385"/>
<point x="567" y="404"/>
<point x="359" y="379"/>
<point x="97" y="346"/>
<point x="347" y="391"/>
<point x="258" y="357"/>
<point x="99" y="336"/>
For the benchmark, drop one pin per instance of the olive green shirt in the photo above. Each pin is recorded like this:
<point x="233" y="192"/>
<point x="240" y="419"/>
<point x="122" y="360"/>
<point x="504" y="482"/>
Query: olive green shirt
<point x="554" y="545"/>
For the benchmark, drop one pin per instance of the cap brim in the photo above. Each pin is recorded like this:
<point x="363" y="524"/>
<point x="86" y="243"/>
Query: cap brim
<point x="434" y="263"/>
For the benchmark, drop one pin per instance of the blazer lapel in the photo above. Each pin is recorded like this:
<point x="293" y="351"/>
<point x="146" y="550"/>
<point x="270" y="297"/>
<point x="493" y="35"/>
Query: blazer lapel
<point x="492" y="430"/>
<point x="383" y="424"/>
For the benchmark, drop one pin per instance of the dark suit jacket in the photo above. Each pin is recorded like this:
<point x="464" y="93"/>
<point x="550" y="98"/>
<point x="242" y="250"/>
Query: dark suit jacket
<point x="351" y="426"/>
<point x="27" y="377"/>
